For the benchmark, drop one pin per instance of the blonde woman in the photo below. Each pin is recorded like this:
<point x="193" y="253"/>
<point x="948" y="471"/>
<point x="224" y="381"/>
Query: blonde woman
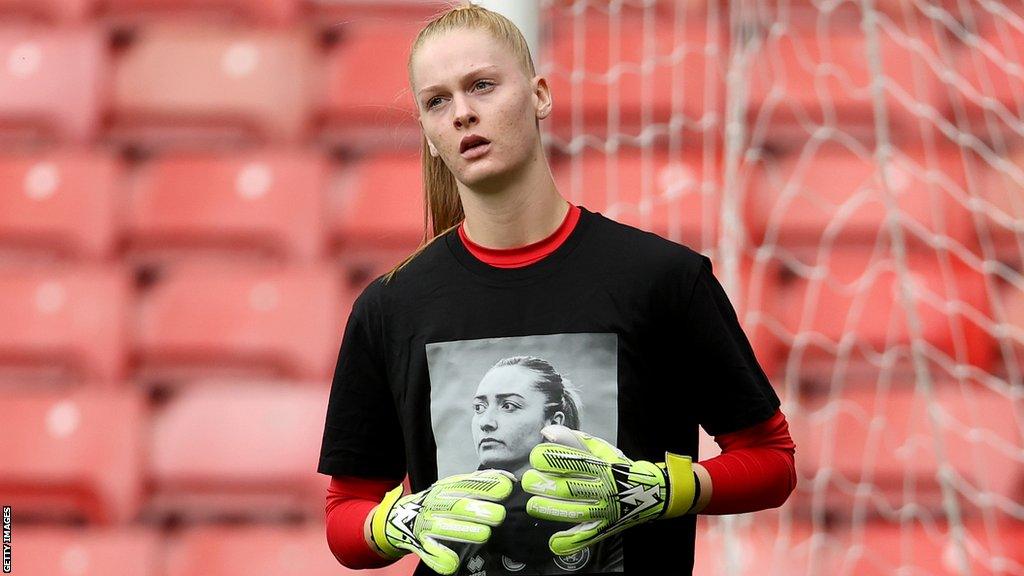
<point x="508" y="257"/>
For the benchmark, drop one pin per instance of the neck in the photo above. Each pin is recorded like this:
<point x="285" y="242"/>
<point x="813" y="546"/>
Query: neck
<point x="517" y="210"/>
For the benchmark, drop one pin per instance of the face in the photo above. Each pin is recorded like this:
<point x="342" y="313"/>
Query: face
<point x="508" y="414"/>
<point x="466" y="82"/>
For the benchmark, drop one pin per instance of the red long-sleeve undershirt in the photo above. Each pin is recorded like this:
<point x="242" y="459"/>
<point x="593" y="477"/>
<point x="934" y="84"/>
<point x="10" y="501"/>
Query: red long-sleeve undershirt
<point x="755" y="471"/>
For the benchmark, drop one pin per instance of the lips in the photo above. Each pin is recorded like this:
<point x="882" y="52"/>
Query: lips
<point x="470" y="141"/>
<point x="490" y="440"/>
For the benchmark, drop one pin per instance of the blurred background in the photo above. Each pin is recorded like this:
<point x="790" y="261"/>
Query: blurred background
<point x="192" y="192"/>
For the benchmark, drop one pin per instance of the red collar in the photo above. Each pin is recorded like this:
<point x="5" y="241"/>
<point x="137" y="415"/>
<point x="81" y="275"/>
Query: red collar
<point x="523" y="255"/>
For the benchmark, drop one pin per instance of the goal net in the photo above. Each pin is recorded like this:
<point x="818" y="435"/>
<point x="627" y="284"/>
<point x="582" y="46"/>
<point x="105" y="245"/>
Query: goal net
<point x="855" y="170"/>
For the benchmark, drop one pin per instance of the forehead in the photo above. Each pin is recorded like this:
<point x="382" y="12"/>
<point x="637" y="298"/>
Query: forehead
<point x="448" y="57"/>
<point x="508" y="380"/>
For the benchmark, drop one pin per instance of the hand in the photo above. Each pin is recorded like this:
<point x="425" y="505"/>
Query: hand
<point x="585" y="480"/>
<point x="460" y="508"/>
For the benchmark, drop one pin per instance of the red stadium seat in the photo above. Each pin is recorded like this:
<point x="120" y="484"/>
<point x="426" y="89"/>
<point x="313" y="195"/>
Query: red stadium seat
<point x="259" y="11"/>
<point x="282" y="551"/>
<point x="1000" y="195"/>
<point x="881" y="443"/>
<point x="675" y="196"/>
<point x="916" y="548"/>
<point x="381" y="204"/>
<point x="836" y="196"/>
<point x="266" y="201"/>
<point x="643" y="77"/>
<point x="854" y="310"/>
<point x="50" y="10"/>
<point x="992" y="98"/>
<point x="51" y="87"/>
<point x="208" y="319"/>
<point x="199" y="81"/>
<point x="86" y="552"/>
<point x="62" y="202"/>
<point x="756" y="548"/>
<point x="65" y="324"/>
<point x="368" y="102"/>
<point x="239" y="448"/>
<point x="71" y="454"/>
<point x="802" y="79"/>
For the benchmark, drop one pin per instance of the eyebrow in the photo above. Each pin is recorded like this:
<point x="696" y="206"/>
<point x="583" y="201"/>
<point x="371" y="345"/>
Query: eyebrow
<point x="499" y="396"/>
<point x="467" y="75"/>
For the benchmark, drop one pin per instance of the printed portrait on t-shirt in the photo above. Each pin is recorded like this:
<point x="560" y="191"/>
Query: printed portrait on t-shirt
<point x="489" y="400"/>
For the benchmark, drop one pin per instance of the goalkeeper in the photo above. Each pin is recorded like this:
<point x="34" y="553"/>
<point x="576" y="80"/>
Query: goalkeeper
<point x="511" y="263"/>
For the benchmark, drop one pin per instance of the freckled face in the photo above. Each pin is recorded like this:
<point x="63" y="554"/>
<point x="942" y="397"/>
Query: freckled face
<point x="464" y="82"/>
<point x="508" y="414"/>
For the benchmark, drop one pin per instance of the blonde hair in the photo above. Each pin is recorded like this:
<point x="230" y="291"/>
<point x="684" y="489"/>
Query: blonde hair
<point x="443" y="207"/>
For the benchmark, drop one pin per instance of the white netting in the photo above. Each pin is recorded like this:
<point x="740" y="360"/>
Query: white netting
<point x="856" y="172"/>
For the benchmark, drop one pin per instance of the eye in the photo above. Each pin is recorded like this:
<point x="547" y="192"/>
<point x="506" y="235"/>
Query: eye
<point x="432" y="101"/>
<point x="479" y="407"/>
<point x="509" y="406"/>
<point x="486" y="82"/>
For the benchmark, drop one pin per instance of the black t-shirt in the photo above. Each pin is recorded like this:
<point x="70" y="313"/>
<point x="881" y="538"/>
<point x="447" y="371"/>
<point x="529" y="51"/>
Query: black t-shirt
<point x="455" y="365"/>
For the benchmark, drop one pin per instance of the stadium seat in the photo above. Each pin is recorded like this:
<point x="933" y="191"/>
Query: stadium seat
<point x="65" y="324"/>
<point x="52" y="83"/>
<point x="379" y="204"/>
<point x="57" y="551"/>
<point x="267" y="201"/>
<point x="915" y="548"/>
<point x="854" y="311"/>
<point x="676" y="196"/>
<point x="267" y="549"/>
<point x="836" y="196"/>
<point x="62" y="11"/>
<point x="208" y="81"/>
<point x="71" y="454"/>
<point x="368" y="104"/>
<point x="802" y="79"/>
<point x="756" y="546"/>
<point x="990" y="67"/>
<point x="209" y="318"/>
<point x="61" y="202"/>
<point x="238" y="448"/>
<point x="256" y="11"/>
<point x="872" y="450"/>
<point x="642" y="77"/>
<point x="999" y="193"/>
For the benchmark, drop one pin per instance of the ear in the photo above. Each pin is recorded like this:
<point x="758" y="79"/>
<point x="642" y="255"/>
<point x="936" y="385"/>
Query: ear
<point x="541" y="97"/>
<point x="557" y="418"/>
<point x="430" y="145"/>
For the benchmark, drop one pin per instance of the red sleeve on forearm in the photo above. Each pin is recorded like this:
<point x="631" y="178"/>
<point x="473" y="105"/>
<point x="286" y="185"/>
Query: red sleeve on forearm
<point x="756" y="469"/>
<point x="349" y="501"/>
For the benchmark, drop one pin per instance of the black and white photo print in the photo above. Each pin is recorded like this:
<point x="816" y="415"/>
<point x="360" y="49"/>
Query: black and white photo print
<point x="489" y="400"/>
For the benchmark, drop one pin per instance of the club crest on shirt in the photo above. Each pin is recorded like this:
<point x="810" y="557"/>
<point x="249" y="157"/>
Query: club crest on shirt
<point x="573" y="562"/>
<point x="511" y="565"/>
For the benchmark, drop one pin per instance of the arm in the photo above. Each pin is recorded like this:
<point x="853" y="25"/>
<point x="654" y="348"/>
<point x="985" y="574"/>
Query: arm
<point x="755" y="471"/>
<point x="350" y="505"/>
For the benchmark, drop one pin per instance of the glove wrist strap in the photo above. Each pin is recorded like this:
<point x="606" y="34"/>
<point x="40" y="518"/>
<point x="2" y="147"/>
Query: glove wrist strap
<point x="378" y="524"/>
<point x="681" y="485"/>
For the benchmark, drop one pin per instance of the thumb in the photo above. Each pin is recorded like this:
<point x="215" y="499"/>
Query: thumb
<point x="565" y="436"/>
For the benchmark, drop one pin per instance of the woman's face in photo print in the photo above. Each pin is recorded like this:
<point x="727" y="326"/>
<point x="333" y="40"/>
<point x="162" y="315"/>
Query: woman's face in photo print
<point x="508" y="415"/>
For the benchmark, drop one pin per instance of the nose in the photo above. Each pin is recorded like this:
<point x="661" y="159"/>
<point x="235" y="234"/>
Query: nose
<point x="486" y="420"/>
<point x="464" y="115"/>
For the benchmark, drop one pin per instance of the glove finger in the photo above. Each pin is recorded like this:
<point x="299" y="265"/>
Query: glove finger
<point x="564" y="510"/>
<point x="576" y="538"/>
<point x="485" y="485"/>
<point x="546" y="484"/>
<point x="477" y="511"/>
<point x="559" y="459"/>
<point x="456" y="530"/>
<point x="439" y="558"/>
